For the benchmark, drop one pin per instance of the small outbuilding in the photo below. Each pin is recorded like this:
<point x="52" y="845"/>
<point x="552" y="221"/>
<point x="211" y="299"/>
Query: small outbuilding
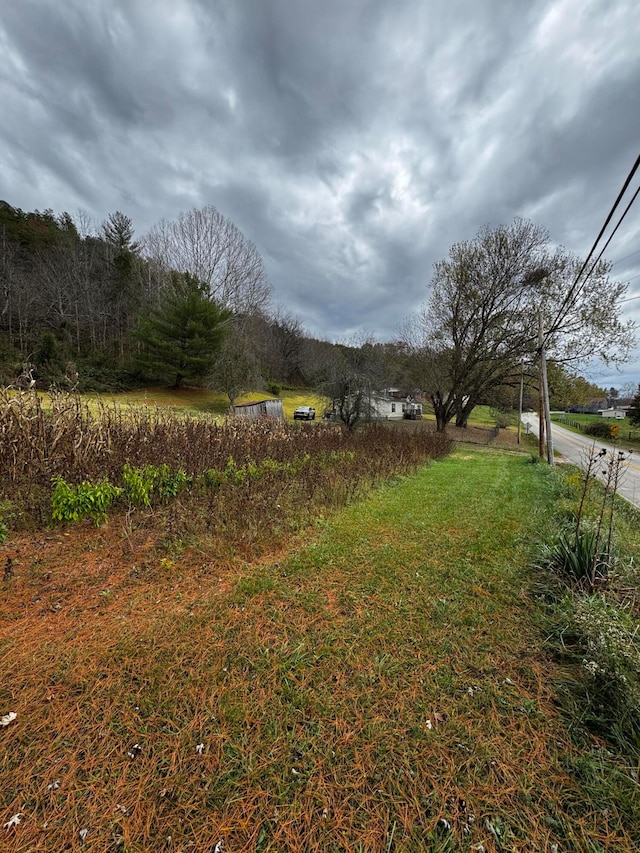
<point x="617" y="412"/>
<point x="260" y="408"/>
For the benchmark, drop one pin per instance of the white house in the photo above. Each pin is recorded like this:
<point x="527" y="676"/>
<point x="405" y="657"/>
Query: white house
<point x="617" y="412"/>
<point x="381" y="406"/>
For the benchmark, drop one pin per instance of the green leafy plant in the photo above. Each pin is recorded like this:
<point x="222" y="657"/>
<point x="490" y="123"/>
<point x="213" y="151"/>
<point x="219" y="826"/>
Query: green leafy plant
<point x="577" y="559"/>
<point x="86" y="500"/>
<point x="4" y="531"/>
<point x="169" y="483"/>
<point x="138" y="484"/>
<point x="141" y="484"/>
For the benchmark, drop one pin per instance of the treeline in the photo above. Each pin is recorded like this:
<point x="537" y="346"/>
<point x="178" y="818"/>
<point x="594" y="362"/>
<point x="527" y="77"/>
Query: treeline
<point x="73" y="296"/>
<point x="96" y="308"/>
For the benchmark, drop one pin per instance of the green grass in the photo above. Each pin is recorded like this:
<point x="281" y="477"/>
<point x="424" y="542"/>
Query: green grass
<point x="627" y="434"/>
<point x="212" y="402"/>
<point x="355" y="695"/>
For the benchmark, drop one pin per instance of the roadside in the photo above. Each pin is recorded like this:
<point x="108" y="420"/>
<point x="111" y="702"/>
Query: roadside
<point x="573" y="446"/>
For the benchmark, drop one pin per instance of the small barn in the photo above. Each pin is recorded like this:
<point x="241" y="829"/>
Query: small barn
<point x="260" y="408"/>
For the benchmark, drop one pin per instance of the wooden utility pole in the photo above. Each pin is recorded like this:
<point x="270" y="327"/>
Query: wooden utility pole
<point x="520" y="407"/>
<point x="545" y="411"/>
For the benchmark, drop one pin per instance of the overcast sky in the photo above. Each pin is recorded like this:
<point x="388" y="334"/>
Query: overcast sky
<point x="353" y="141"/>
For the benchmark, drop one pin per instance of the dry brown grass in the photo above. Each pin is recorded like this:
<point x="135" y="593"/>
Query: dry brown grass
<point x="349" y="695"/>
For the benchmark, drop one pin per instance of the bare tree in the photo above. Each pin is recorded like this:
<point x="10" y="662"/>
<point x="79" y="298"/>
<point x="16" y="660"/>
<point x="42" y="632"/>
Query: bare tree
<point x="235" y="369"/>
<point x="348" y="376"/>
<point x="487" y="299"/>
<point x="210" y="247"/>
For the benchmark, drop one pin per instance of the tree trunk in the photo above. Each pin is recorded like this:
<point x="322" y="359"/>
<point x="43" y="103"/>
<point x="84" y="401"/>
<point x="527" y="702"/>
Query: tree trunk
<point x="441" y="411"/>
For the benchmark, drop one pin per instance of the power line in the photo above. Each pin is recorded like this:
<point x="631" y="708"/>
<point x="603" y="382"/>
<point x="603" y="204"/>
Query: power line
<point x="626" y="258"/>
<point x="572" y="290"/>
<point x="611" y="212"/>
<point x="602" y="251"/>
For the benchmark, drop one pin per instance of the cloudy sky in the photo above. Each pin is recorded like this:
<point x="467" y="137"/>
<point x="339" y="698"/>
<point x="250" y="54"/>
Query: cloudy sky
<point x="353" y="141"/>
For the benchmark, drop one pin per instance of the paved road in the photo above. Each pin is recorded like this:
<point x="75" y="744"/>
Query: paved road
<point x="573" y="445"/>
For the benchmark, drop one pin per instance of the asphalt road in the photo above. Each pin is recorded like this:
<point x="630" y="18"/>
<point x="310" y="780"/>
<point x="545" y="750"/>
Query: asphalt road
<point x="573" y="446"/>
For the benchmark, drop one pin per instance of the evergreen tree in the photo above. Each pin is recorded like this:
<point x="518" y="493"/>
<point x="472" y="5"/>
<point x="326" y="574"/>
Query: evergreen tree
<point x="181" y="336"/>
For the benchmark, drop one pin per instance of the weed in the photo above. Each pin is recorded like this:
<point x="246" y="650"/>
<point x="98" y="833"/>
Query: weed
<point x="72" y="503"/>
<point x="577" y="558"/>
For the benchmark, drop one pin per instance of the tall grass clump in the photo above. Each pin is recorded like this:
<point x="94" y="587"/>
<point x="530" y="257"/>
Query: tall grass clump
<point x="584" y="554"/>
<point x="595" y="613"/>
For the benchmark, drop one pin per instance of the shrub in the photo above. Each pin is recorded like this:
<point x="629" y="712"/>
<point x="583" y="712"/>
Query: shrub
<point x="609" y="634"/>
<point x="274" y="388"/>
<point x="577" y="559"/>
<point x="72" y="503"/>
<point x="599" y="429"/>
<point x="140" y="484"/>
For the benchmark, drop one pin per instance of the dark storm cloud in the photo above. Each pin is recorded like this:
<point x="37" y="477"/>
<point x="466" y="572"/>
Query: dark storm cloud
<point x="351" y="142"/>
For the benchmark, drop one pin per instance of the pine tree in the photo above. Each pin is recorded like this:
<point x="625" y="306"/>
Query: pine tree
<point x="182" y="335"/>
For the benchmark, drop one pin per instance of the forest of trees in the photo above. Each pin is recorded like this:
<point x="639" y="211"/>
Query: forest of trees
<point x="99" y="308"/>
<point x="77" y="302"/>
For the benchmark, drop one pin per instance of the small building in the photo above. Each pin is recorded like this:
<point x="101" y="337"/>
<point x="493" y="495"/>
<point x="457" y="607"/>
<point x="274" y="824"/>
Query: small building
<point x="617" y="412"/>
<point x="383" y="407"/>
<point x="389" y="408"/>
<point x="260" y="408"/>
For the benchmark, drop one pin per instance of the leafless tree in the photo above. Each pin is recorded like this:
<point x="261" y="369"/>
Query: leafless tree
<point x="481" y="320"/>
<point x="348" y="376"/>
<point x="210" y="247"/>
<point x="235" y="370"/>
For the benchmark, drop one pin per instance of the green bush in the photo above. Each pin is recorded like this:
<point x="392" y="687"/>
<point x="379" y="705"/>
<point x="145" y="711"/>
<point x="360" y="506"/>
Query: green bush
<point x="72" y="503"/>
<point x="599" y="429"/>
<point x="140" y="484"/>
<point x="274" y="388"/>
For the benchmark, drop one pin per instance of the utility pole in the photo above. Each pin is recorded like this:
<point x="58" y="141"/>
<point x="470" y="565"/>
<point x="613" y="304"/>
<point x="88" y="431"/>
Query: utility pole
<point x="520" y="408"/>
<point x="544" y="396"/>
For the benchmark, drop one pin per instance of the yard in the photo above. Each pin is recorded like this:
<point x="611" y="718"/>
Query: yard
<point x="370" y="676"/>
<point x="576" y="422"/>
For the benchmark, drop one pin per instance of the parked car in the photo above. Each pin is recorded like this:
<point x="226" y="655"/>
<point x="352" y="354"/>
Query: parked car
<point x="304" y="413"/>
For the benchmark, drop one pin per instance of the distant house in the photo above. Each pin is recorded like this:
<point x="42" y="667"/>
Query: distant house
<point x="382" y="407"/>
<point x="260" y="408"/>
<point x="617" y="412"/>
<point x="593" y="407"/>
<point x="387" y="407"/>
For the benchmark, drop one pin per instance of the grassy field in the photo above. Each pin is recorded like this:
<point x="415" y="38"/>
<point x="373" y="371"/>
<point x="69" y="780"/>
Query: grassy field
<point x="211" y="402"/>
<point x="380" y="685"/>
<point x="626" y="433"/>
<point x="205" y="401"/>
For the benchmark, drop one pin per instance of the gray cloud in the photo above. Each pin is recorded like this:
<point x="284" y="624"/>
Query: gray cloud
<point x="351" y="142"/>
